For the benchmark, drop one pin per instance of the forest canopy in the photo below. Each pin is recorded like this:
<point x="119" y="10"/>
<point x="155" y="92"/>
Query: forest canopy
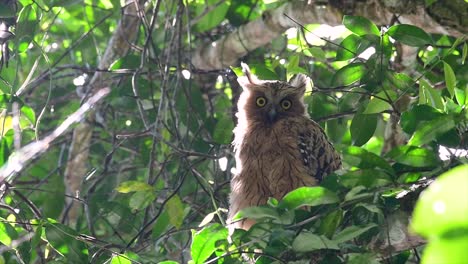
<point x="117" y="118"/>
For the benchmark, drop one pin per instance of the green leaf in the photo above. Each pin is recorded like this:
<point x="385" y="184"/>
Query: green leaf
<point x="306" y="242"/>
<point x="118" y="259"/>
<point x="258" y="213"/>
<point x="360" y="25"/>
<point x="7" y="233"/>
<point x="5" y="151"/>
<point x="362" y="128"/>
<point x="450" y="79"/>
<point x="316" y="52"/>
<point x="360" y="258"/>
<point x="377" y="105"/>
<point x="223" y="131"/>
<point x="446" y="250"/>
<point x="133" y="186"/>
<point x="430" y="130"/>
<point x="429" y="95"/>
<point x="204" y="242"/>
<point x="361" y="158"/>
<point x="464" y="53"/>
<point x="461" y="96"/>
<point x="428" y="3"/>
<point x="175" y="210"/>
<point x="28" y="112"/>
<point x="7" y="10"/>
<point x="141" y="199"/>
<point x="349" y="48"/>
<point x="27" y="24"/>
<point x="65" y="241"/>
<point x="130" y="61"/>
<point x="418" y="114"/>
<point x="330" y="223"/>
<point x="410" y="35"/>
<point x="444" y="203"/>
<point x="414" y="156"/>
<point x="263" y="72"/>
<point x="308" y="196"/>
<point x="161" y="224"/>
<point x="214" y="17"/>
<point x="356" y="193"/>
<point x="351" y="232"/>
<point x="366" y="177"/>
<point x="349" y="74"/>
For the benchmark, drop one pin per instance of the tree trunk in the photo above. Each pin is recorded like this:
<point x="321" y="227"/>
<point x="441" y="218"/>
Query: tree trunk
<point x="443" y="17"/>
<point x="77" y="164"/>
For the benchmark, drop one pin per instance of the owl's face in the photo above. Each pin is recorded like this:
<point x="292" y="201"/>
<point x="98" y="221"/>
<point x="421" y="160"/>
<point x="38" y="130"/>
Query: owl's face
<point x="270" y="101"/>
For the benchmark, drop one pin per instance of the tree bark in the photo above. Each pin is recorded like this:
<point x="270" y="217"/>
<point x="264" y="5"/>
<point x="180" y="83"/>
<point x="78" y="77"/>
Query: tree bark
<point x="119" y="45"/>
<point x="443" y="17"/>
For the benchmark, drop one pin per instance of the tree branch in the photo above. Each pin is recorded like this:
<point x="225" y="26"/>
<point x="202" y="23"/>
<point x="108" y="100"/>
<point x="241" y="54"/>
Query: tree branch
<point x="227" y="50"/>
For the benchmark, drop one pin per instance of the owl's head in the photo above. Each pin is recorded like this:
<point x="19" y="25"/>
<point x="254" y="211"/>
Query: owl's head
<point x="270" y="101"/>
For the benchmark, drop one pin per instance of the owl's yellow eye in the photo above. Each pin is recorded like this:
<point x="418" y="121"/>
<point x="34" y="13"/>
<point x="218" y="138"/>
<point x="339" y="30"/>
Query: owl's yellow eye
<point x="261" y="101"/>
<point x="286" y="104"/>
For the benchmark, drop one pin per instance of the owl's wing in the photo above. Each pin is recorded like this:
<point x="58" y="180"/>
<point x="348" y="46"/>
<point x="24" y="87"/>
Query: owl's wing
<point x="318" y="154"/>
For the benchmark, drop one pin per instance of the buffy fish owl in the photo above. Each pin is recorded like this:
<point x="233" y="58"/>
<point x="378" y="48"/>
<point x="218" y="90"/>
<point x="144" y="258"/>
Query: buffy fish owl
<point x="278" y="148"/>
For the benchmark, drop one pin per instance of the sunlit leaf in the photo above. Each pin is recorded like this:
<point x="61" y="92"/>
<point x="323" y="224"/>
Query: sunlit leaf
<point x="257" y="212"/>
<point x="360" y="25"/>
<point x="429" y="95"/>
<point x="7" y="232"/>
<point x="377" y="105"/>
<point x="316" y="53"/>
<point x="204" y="242"/>
<point x="349" y="74"/>
<point x="118" y="259"/>
<point x="461" y="96"/>
<point x="307" y="196"/>
<point x="127" y="258"/>
<point x="442" y="204"/>
<point x="430" y="130"/>
<point x="5" y="151"/>
<point x="133" y="186"/>
<point x="450" y="79"/>
<point x="410" y="35"/>
<point x="28" y="112"/>
<point x="465" y="53"/>
<point x="348" y="48"/>
<point x="446" y="250"/>
<point x="366" y="177"/>
<point x="414" y="156"/>
<point x="213" y="17"/>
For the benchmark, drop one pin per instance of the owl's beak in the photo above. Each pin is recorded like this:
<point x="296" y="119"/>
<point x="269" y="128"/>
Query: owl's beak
<point x="272" y="114"/>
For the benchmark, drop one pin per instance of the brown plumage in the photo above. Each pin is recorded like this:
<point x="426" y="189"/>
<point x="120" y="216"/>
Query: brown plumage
<point x="278" y="147"/>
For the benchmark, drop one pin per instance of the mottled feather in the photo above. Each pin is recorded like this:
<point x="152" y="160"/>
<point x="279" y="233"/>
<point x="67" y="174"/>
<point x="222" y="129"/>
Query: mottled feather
<point x="277" y="149"/>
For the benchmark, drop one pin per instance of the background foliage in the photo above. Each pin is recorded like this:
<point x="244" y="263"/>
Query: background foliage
<point x="157" y="185"/>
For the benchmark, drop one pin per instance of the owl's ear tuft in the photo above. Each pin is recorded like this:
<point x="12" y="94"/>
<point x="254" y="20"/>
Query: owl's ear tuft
<point x="299" y="81"/>
<point x="248" y="79"/>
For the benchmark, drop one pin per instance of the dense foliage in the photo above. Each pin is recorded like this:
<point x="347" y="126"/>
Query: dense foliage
<point x="160" y="162"/>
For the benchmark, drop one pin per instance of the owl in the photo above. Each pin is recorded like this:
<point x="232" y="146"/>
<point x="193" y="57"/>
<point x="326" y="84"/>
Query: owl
<point x="278" y="148"/>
